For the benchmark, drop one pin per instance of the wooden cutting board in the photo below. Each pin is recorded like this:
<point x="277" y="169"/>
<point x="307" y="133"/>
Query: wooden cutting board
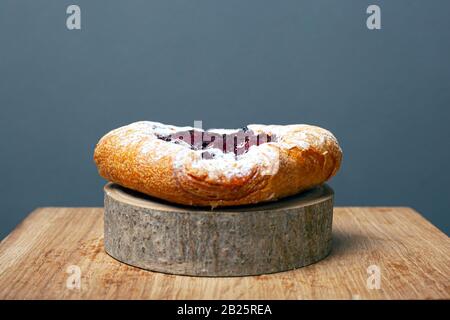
<point x="378" y="253"/>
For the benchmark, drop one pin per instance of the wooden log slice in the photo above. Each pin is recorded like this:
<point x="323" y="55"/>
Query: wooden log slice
<point x="232" y="241"/>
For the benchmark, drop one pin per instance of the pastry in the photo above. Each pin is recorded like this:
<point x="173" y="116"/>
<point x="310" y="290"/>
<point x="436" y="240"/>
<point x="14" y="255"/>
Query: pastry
<point x="218" y="167"/>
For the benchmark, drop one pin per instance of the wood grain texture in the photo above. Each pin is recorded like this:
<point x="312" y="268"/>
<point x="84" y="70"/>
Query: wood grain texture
<point x="413" y="256"/>
<point x="231" y="241"/>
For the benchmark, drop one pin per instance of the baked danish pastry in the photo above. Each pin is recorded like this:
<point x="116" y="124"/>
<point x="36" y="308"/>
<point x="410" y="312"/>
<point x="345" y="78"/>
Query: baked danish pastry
<point x="218" y="167"/>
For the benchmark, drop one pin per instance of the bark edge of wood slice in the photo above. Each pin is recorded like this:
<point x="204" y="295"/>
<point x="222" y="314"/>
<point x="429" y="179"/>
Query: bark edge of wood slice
<point x="232" y="241"/>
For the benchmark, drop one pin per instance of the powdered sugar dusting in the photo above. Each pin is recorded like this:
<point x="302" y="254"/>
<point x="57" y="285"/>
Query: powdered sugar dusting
<point x="223" y="165"/>
<point x="296" y="138"/>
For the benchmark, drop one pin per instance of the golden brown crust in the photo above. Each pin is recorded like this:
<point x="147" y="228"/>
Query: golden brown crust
<point x="302" y="157"/>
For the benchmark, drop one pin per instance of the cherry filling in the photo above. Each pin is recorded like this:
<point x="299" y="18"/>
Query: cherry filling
<point x="238" y="142"/>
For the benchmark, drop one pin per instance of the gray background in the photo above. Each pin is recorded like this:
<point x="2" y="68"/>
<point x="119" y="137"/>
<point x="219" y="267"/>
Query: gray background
<point x="385" y="94"/>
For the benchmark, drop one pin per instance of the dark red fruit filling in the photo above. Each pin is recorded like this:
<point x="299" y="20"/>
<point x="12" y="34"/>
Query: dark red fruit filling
<point x="238" y="142"/>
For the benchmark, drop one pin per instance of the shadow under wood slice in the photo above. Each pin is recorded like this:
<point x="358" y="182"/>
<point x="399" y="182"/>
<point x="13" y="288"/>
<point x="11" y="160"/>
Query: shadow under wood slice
<point x="233" y="241"/>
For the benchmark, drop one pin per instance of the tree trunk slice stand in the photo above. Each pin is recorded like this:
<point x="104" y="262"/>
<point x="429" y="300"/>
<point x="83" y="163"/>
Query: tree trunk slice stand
<point x="233" y="241"/>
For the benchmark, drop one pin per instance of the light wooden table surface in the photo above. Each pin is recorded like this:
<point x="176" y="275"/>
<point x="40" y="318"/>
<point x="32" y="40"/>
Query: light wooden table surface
<point x="412" y="255"/>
